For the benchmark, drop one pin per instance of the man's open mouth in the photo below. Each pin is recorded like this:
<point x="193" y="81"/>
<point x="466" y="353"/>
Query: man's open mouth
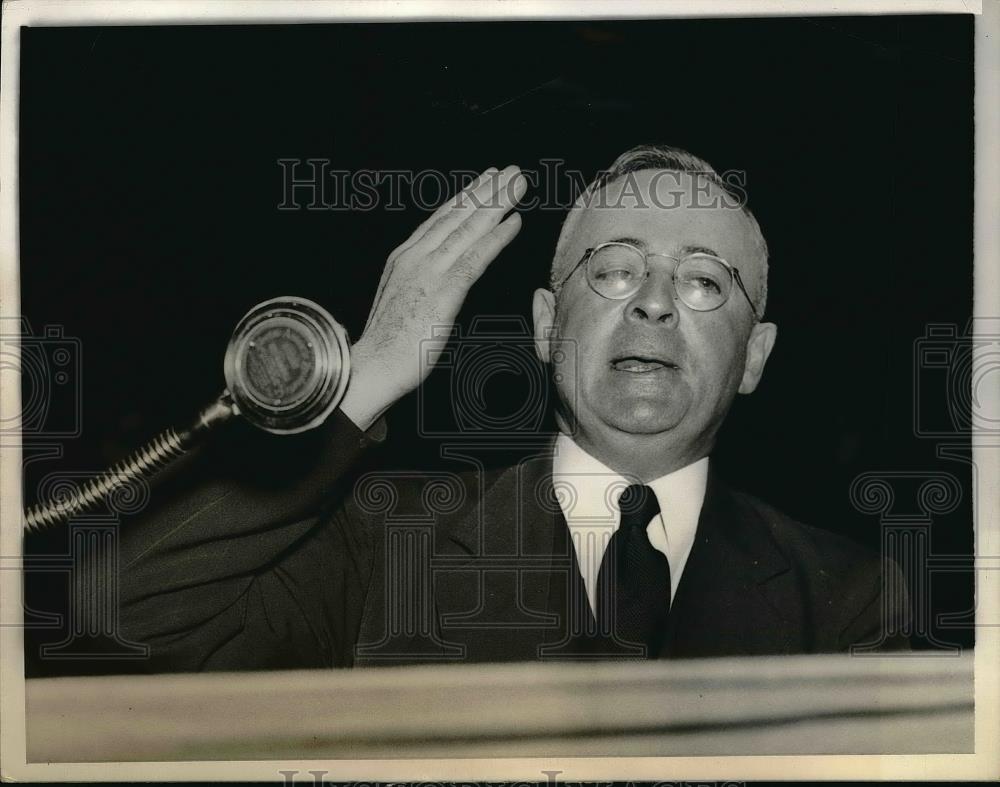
<point x="638" y="364"/>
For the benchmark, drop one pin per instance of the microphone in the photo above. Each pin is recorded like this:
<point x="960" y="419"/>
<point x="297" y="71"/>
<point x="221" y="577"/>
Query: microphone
<point x="287" y="365"/>
<point x="286" y="368"/>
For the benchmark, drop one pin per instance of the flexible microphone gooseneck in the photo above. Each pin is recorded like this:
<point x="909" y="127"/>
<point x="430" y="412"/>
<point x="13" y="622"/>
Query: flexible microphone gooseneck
<point x="286" y="369"/>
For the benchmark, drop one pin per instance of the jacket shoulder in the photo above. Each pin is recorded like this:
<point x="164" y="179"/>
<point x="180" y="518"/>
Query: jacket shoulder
<point x="856" y="594"/>
<point x="805" y="543"/>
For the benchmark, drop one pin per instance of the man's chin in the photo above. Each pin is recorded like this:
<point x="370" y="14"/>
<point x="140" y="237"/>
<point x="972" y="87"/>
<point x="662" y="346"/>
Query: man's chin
<point x="644" y="419"/>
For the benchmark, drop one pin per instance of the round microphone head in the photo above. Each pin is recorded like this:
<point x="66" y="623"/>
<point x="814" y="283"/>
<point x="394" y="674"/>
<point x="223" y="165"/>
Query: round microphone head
<point x="287" y="365"/>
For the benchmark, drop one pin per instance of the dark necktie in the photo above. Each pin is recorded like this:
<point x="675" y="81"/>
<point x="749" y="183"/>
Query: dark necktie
<point x="633" y="585"/>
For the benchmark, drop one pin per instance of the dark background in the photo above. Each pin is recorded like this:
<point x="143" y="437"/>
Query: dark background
<point x="149" y="221"/>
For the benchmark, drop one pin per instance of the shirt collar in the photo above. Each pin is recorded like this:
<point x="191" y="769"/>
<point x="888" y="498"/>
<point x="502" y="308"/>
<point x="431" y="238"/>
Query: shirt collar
<point x="588" y="492"/>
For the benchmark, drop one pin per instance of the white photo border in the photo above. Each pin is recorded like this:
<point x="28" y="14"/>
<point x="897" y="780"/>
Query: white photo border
<point x="984" y="764"/>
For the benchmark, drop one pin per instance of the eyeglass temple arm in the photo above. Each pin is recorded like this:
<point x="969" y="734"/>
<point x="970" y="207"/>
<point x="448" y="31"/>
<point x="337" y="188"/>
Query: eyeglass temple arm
<point x="583" y="259"/>
<point x="739" y="281"/>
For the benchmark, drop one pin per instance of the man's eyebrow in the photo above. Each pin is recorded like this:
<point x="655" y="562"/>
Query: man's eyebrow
<point x="684" y="250"/>
<point x="629" y="240"/>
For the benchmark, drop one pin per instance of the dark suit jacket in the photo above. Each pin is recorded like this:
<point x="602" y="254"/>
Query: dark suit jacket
<point x="333" y="566"/>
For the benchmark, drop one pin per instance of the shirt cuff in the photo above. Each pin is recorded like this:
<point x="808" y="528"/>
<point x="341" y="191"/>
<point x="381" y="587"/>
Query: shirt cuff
<point x="375" y="435"/>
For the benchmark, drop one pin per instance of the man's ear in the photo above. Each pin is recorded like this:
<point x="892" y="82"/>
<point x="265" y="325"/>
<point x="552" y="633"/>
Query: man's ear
<point x="758" y="349"/>
<point x="543" y="311"/>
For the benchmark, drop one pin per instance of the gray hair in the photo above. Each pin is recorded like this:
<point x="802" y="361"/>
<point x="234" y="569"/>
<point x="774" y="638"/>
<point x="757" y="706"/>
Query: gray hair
<point x="658" y="157"/>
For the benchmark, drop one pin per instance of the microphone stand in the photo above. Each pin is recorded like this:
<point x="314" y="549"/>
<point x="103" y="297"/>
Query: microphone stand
<point x="164" y="449"/>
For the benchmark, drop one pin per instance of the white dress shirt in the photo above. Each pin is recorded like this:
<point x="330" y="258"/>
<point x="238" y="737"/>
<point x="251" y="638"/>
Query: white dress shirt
<point x="588" y="493"/>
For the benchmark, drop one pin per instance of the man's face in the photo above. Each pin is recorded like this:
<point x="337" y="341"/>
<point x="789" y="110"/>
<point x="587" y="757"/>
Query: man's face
<point x="648" y="371"/>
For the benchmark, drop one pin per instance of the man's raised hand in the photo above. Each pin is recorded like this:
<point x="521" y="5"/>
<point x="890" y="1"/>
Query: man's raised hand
<point x="423" y="286"/>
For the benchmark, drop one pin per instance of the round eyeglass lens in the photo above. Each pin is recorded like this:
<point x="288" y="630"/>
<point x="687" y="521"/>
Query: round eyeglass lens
<point x="616" y="271"/>
<point x="703" y="282"/>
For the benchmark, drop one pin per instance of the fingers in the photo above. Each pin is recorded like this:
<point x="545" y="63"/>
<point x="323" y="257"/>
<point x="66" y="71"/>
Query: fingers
<point x="450" y="234"/>
<point x="477" y="223"/>
<point x="477" y="192"/>
<point x="490" y="195"/>
<point x="470" y="266"/>
<point x="488" y="176"/>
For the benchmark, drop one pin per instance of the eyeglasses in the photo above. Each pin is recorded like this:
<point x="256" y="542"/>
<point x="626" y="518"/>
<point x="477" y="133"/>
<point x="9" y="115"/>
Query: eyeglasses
<point x="617" y="270"/>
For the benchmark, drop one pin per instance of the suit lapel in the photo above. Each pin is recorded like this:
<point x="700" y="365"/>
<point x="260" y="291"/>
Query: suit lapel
<point x="736" y="589"/>
<point x="494" y="596"/>
<point x="516" y="512"/>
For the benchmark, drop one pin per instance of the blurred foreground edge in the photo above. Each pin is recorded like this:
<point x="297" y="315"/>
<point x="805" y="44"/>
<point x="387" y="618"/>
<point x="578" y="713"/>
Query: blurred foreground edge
<point x="886" y="704"/>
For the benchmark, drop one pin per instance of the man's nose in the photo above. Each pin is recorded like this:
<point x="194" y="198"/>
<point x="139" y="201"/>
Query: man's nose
<point x="654" y="302"/>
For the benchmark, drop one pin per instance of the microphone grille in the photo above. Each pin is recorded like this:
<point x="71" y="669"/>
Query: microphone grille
<point x="280" y="361"/>
<point x="287" y="365"/>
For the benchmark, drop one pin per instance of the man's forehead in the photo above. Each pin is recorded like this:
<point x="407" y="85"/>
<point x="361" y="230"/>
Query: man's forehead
<point x="662" y="189"/>
<point x="668" y="206"/>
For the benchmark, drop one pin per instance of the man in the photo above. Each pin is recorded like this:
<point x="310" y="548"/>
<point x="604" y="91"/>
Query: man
<point x="617" y="542"/>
